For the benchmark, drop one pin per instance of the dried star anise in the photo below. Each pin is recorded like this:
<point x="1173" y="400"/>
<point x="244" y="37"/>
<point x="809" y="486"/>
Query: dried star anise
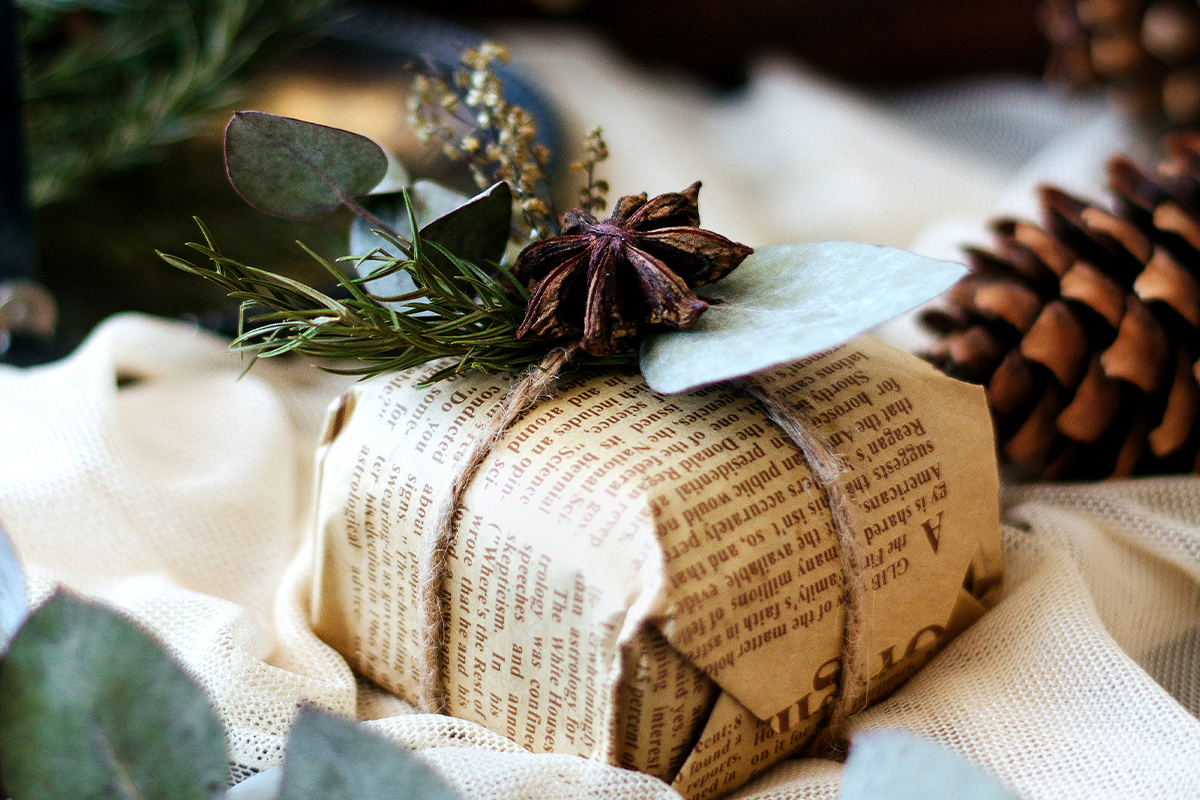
<point x="604" y="280"/>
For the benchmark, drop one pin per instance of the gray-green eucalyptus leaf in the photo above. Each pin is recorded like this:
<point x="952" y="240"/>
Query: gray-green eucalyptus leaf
<point x="477" y="231"/>
<point x="787" y="302"/>
<point x="895" y="765"/>
<point x="429" y="200"/>
<point x="91" y="707"/>
<point x="297" y="169"/>
<point x="330" y="758"/>
<point x="474" y="229"/>
<point x="14" y="594"/>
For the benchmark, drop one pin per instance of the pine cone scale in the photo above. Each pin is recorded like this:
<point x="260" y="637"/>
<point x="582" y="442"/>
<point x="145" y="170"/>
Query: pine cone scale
<point x="1148" y="53"/>
<point x="1012" y="384"/>
<point x="1127" y="235"/>
<point x="1053" y="254"/>
<point x="1065" y="220"/>
<point x="1092" y="288"/>
<point x="1010" y="302"/>
<point x="1037" y="433"/>
<point x="1173" y="218"/>
<point x="1165" y="280"/>
<point x="1095" y="405"/>
<point x="1131" y="451"/>
<point x="1179" y="417"/>
<point x="1140" y="353"/>
<point x="975" y="349"/>
<point x="1058" y="342"/>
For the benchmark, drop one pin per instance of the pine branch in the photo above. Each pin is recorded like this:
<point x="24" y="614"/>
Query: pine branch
<point x="107" y="82"/>
<point x="464" y="313"/>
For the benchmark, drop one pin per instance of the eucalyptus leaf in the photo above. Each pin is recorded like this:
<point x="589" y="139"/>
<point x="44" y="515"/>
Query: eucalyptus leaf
<point x="330" y="758"/>
<point x="787" y="302"/>
<point x="895" y="765"/>
<point x="474" y="229"/>
<point x="395" y="179"/>
<point x="91" y="707"/>
<point x="477" y="231"/>
<point x="297" y="169"/>
<point x="14" y="594"/>
<point x="430" y="200"/>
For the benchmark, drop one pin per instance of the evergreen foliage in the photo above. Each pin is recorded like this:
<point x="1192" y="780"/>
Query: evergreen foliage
<point x="106" y="81"/>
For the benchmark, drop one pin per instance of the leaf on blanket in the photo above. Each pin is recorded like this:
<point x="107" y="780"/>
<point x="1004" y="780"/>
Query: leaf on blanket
<point x="474" y="229"/>
<point x="787" y="302"/>
<point x="895" y="765"/>
<point x="292" y="168"/>
<point x="91" y="706"/>
<point x="14" y="595"/>
<point x="330" y="758"/>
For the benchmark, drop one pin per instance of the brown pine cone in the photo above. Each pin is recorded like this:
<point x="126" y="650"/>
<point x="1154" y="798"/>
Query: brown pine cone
<point x="1086" y="331"/>
<point x="1146" y="52"/>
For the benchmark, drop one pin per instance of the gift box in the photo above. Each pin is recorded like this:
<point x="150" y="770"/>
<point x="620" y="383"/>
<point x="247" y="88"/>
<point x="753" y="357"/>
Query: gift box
<point x="656" y="581"/>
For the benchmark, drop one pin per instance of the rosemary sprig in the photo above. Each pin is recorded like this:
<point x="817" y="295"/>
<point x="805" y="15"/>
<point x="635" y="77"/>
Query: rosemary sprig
<point x="460" y="311"/>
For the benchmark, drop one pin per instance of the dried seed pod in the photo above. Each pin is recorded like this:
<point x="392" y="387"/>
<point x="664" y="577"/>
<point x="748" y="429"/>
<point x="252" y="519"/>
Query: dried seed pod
<point x="602" y="282"/>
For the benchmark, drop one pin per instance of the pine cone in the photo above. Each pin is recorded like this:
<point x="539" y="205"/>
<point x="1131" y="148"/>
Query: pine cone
<point x="1086" y="331"/>
<point x="1147" y="53"/>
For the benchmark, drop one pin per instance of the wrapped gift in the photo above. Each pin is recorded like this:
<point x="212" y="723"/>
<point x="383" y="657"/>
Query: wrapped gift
<point x="689" y="580"/>
<point x="656" y="581"/>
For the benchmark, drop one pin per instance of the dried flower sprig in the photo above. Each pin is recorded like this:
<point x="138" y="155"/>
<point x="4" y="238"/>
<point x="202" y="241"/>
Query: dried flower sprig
<point x="499" y="138"/>
<point x="593" y="196"/>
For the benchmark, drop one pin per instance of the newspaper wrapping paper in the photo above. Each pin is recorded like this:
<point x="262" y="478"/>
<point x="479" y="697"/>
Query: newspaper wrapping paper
<point x="654" y="581"/>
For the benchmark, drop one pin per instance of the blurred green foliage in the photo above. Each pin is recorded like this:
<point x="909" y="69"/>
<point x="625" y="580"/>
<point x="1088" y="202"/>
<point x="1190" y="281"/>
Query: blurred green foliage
<point x="108" y="81"/>
<point x="97" y="246"/>
<point x="123" y="147"/>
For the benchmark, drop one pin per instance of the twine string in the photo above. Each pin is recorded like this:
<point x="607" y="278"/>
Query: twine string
<point x="439" y="535"/>
<point x="827" y="470"/>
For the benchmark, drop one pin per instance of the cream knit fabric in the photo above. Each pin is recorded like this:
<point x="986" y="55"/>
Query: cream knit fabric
<point x="183" y="498"/>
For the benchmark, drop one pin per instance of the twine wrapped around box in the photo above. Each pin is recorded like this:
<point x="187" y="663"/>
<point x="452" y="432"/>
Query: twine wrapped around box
<point x="657" y="582"/>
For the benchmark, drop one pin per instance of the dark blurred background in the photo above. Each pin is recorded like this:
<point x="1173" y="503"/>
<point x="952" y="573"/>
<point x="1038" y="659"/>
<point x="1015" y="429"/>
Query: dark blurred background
<point x="124" y="123"/>
<point x="873" y="43"/>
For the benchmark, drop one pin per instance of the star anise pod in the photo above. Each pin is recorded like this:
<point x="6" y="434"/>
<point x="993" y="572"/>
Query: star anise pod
<point x="603" y="281"/>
